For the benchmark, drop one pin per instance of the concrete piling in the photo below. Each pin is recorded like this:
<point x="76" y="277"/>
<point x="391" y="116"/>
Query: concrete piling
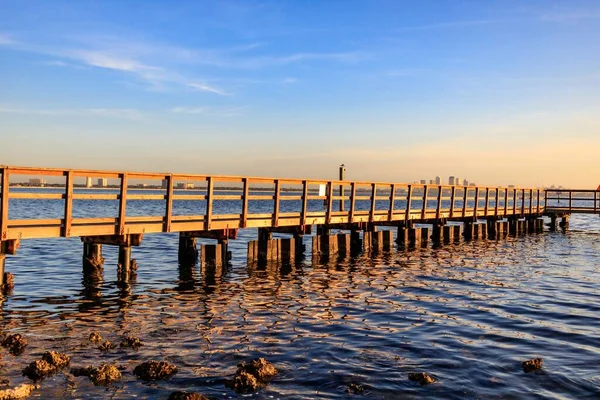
<point x="212" y="255"/>
<point x="437" y="233"/>
<point x="553" y="222"/>
<point x="564" y="222"/>
<point x="468" y="230"/>
<point x="92" y="256"/>
<point x="124" y="262"/>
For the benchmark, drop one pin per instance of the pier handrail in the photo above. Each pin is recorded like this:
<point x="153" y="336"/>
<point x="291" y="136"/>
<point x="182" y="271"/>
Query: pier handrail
<point x="583" y="201"/>
<point x="364" y="202"/>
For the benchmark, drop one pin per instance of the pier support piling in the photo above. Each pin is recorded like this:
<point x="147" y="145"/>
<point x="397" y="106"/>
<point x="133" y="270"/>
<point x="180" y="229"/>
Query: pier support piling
<point x="437" y="232"/>
<point x="212" y="255"/>
<point x="188" y="251"/>
<point x="92" y="256"/>
<point x="564" y="222"/>
<point x="2" y="267"/>
<point x="553" y="222"/>
<point x="468" y="230"/>
<point x="124" y="262"/>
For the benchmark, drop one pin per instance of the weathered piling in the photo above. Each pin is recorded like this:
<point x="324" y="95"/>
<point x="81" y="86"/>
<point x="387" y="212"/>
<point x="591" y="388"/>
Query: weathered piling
<point x="212" y="255"/>
<point x="2" y="269"/>
<point x="468" y="229"/>
<point x="188" y="250"/>
<point x="437" y="232"/>
<point x="553" y="222"/>
<point x="124" y="262"/>
<point x="92" y="256"/>
<point x="564" y="222"/>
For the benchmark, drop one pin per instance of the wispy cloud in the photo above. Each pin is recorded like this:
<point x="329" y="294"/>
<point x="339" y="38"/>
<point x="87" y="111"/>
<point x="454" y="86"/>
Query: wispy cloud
<point x="6" y="39"/>
<point x="210" y="111"/>
<point x="118" y="113"/>
<point x="205" y="88"/>
<point x="570" y="15"/>
<point x="448" y="25"/>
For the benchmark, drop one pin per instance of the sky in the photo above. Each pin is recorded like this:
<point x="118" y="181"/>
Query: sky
<point x="499" y="92"/>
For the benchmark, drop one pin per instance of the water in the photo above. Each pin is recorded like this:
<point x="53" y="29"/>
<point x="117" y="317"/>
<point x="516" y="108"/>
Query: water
<point x="466" y="313"/>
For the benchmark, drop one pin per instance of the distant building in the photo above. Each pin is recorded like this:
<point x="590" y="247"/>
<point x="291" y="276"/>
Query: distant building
<point x="511" y="186"/>
<point x="189" y="186"/>
<point x="37" y="182"/>
<point x="88" y="182"/>
<point x="164" y="184"/>
<point x="431" y="181"/>
<point x="457" y="181"/>
<point x="102" y="182"/>
<point x="438" y="180"/>
<point x="451" y="180"/>
<point x="423" y="182"/>
<point x="465" y="182"/>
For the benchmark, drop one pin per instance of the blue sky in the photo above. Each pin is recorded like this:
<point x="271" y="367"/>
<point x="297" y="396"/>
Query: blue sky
<point x="497" y="91"/>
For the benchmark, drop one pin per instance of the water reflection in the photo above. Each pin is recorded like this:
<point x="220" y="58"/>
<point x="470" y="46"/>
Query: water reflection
<point x="466" y="313"/>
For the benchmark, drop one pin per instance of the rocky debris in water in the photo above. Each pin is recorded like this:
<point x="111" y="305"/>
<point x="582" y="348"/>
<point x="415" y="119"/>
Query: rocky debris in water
<point x="355" y="388"/>
<point x="103" y="375"/>
<point x="4" y="382"/>
<point x="186" y="396"/>
<point x="39" y="369"/>
<point x="9" y="283"/>
<point x="251" y="376"/>
<point x="155" y="370"/>
<point x="14" y="343"/>
<point x="421" y="377"/>
<point x="49" y="364"/>
<point x="20" y="392"/>
<point x="244" y="383"/>
<point x="106" y="346"/>
<point x="261" y="369"/>
<point x="131" y="341"/>
<point x="57" y="359"/>
<point x="95" y="337"/>
<point x="532" y="365"/>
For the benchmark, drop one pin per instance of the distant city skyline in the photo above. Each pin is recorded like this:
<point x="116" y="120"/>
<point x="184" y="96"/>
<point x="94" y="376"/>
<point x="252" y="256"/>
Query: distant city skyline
<point x="499" y="92"/>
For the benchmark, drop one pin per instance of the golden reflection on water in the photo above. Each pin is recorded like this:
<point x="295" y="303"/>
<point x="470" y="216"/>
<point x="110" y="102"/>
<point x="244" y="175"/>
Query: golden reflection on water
<point x="465" y="313"/>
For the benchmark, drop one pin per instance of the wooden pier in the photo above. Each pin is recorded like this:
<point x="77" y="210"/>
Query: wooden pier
<point x="219" y="206"/>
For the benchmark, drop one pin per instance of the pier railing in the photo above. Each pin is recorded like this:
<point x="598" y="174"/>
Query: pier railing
<point x="572" y="201"/>
<point x="232" y="202"/>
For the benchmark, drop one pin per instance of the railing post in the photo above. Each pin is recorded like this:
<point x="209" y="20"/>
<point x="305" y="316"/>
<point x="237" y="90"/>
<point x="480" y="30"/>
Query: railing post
<point x="465" y="201"/>
<point x="392" y="201"/>
<point x="408" y="204"/>
<point x="496" y="202"/>
<point x="169" y="206"/>
<point x="373" y="202"/>
<point x="122" y="205"/>
<point x="439" y="202"/>
<point x="329" y="202"/>
<point x="276" y="204"/>
<point x="505" y="201"/>
<point x="595" y="201"/>
<point x="68" y="204"/>
<point x="522" y="202"/>
<point x="209" y="203"/>
<point x="570" y="200"/>
<point x="487" y="200"/>
<point x="352" y="206"/>
<point x="4" y="204"/>
<point x="530" y="201"/>
<point x="452" y="193"/>
<point x="245" y="193"/>
<point x="515" y="201"/>
<point x="545" y="199"/>
<point x="476" y="205"/>
<point x="424" y="209"/>
<point x="538" y="201"/>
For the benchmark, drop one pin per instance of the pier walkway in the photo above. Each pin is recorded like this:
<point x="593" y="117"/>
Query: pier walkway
<point x="215" y="207"/>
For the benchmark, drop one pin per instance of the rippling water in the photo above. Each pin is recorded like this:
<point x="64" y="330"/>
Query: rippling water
<point x="466" y="313"/>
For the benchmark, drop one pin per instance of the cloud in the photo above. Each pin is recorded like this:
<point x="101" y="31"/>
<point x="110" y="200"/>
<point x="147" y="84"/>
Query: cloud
<point x="205" y="88"/>
<point x="6" y="39"/>
<point x="447" y="25"/>
<point x="190" y="110"/>
<point x="570" y="16"/>
<point x="117" y="113"/>
<point x="210" y="111"/>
